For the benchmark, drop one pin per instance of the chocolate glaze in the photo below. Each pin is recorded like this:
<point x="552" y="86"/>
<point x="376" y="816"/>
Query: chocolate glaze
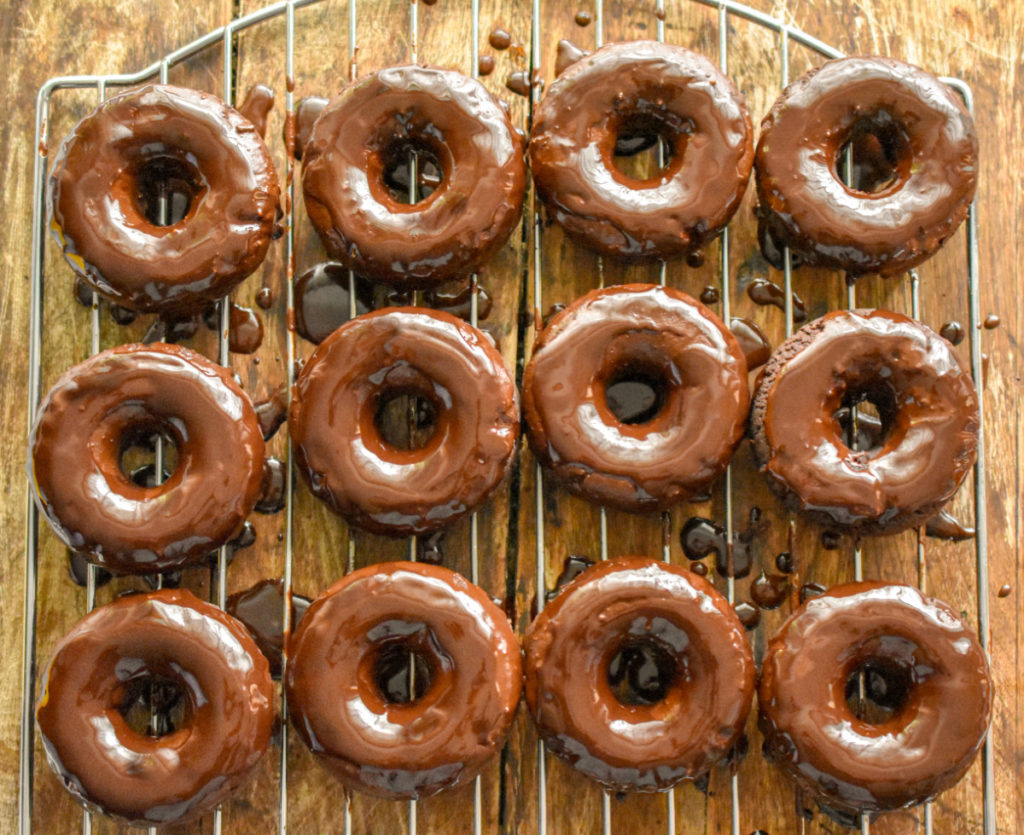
<point x="78" y="569"/>
<point x="82" y="292"/>
<point x="341" y="453"/>
<point x="635" y="601"/>
<point x="944" y="526"/>
<point x="98" y="408"/>
<point x="642" y="87"/>
<point x="256" y="107"/>
<point x="762" y="291"/>
<point x="660" y="336"/>
<point x="103" y="177"/>
<point x="518" y="82"/>
<point x="202" y="654"/>
<point x="272" y="495"/>
<point x="306" y="114"/>
<point x="416" y="748"/>
<point x="245" y="333"/>
<point x="456" y="298"/>
<point x="573" y="567"/>
<point x="261" y="609"/>
<point x="174" y="329"/>
<point x="749" y="615"/>
<point x="567" y="53"/>
<point x="932" y="679"/>
<point x="379" y="120"/>
<point x="927" y="403"/>
<point x="322" y="302"/>
<point x="923" y="130"/>
<point x="271" y="413"/>
<point x="953" y="332"/>
<point x="754" y="344"/>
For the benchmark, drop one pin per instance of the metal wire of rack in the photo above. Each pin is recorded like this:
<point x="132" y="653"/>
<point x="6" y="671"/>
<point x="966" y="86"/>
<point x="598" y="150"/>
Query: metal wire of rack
<point x="287" y="8"/>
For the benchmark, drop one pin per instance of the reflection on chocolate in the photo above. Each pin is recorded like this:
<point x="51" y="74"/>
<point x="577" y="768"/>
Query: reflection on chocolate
<point x="953" y="332"/>
<point x="769" y="592"/>
<point x="322" y="302"/>
<point x="918" y="451"/>
<point x="156" y="157"/>
<point x="925" y="710"/>
<point x="902" y="116"/>
<point x="652" y="89"/>
<point x="753" y="342"/>
<point x="710" y="295"/>
<point x="272" y="497"/>
<point x="568" y="53"/>
<point x="485" y="65"/>
<point x="191" y="655"/>
<point x="944" y="526"/>
<point x="500" y="39"/>
<point x="351" y="638"/>
<point x="603" y="683"/>
<point x="106" y="405"/>
<point x="256" y="107"/>
<point x="261" y="609"/>
<point x="762" y="291"/>
<point x="573" y="567"/>
<point x="245" y="330"/>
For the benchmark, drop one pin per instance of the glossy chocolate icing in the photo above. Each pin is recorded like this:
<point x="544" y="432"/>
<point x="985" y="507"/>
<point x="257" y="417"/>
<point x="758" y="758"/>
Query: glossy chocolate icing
<point x="341" y="452"/>
<point x="412" y="748"/>
<point x="933" y="678"/>
<point x="928" y="410"/>
<point x="100" y="184"/>
<point x="650" y="332"/>
<point x="915" y="125"/>
<point x="207" y="657"/>
<point x="633" y="602"/>
<point x="124" y="395"/>
<point x="644" y="87"/>
<point x="376" y="123"/>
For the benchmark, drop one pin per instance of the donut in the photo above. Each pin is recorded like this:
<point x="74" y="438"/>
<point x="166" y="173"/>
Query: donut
<point x="639" y="337"/>
<point x="347" y="679"/>
<point x="638" y="674"/>
<point x="642" y="88"/>
<point x="916" y="453"/>
<point x="348" y="461"/>
<point x="163" y="646"/>
<point x="469" y="156"/>
<point x="914" y="171"/>
<point x="927" y="686"/>
<point x="121" y="398"/>
<point x="222" y="190"/>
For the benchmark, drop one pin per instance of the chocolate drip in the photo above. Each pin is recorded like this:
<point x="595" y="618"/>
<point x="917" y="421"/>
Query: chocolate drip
<point x="764" y="292"/>
<point x="500" y="39"/>
<point x="573" y="567"/>
<point x="261" y="609"/>
<point x="456" y="298"/>
<point x="306" y="113"/>
<point x="749" y="615"/>
<point x="273" y="497"/>
<point x="518" y="82"/>
<point x="265" y="298"/>
<point x="245" y="332"/>
<point x="486" y="65"/>
<point x="568" y="53"/>
<point x="710" y="295"/>
<point x="769" y="592"/>
<point x="582" y="18"/>
<point x="256" y="107"/>
<point x="945" y="526"/>
<point x="78" y="569"/>
<point x="953" y="332"/>
<point x="271" y="413"/>
<point x="753" y="342"/>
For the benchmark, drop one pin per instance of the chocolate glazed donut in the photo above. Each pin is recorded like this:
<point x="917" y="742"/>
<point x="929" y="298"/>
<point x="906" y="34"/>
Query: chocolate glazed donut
<point x="360" y="147"/>
<point x="216" y="698"/>
<point x="347" y="679"/>
<point x="927" y="704"/>
<point x="612" y="627"/>
<point x="347" y="461"/>
<point x="642" y="88"/>
<point x="121" y="398"/>
<point x="222" y="191"/>
<point x="654" y="336"/>
<point x="909" y="461"/>
<point x="915" y="161"/>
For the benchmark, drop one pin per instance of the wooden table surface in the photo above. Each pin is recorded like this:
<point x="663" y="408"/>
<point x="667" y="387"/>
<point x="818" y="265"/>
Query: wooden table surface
<point x="980" y="42"/>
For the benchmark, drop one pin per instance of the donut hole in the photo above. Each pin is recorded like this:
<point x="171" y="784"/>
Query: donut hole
<point x="406" y="418"/>
<point x="878" y="690"/>
<point x="140" y="447"/>
<point x="642" y="672"/>
<point x="866" y="419"/>
<point x="647" y="145"/>
<point x="403" y="674"/>
<point x="400" y="160"/>
<point x="636" y="394"/>
<point x="155" y="705"/>
<point x="875" y="157"/>
<point x="166" y="189"/>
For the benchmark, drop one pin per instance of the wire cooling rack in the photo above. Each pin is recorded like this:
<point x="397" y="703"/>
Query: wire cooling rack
<point x="226" y="38"/>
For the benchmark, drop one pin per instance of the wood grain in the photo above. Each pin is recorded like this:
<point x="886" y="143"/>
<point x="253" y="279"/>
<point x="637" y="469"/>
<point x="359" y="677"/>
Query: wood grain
<point x="973" y="40"/>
